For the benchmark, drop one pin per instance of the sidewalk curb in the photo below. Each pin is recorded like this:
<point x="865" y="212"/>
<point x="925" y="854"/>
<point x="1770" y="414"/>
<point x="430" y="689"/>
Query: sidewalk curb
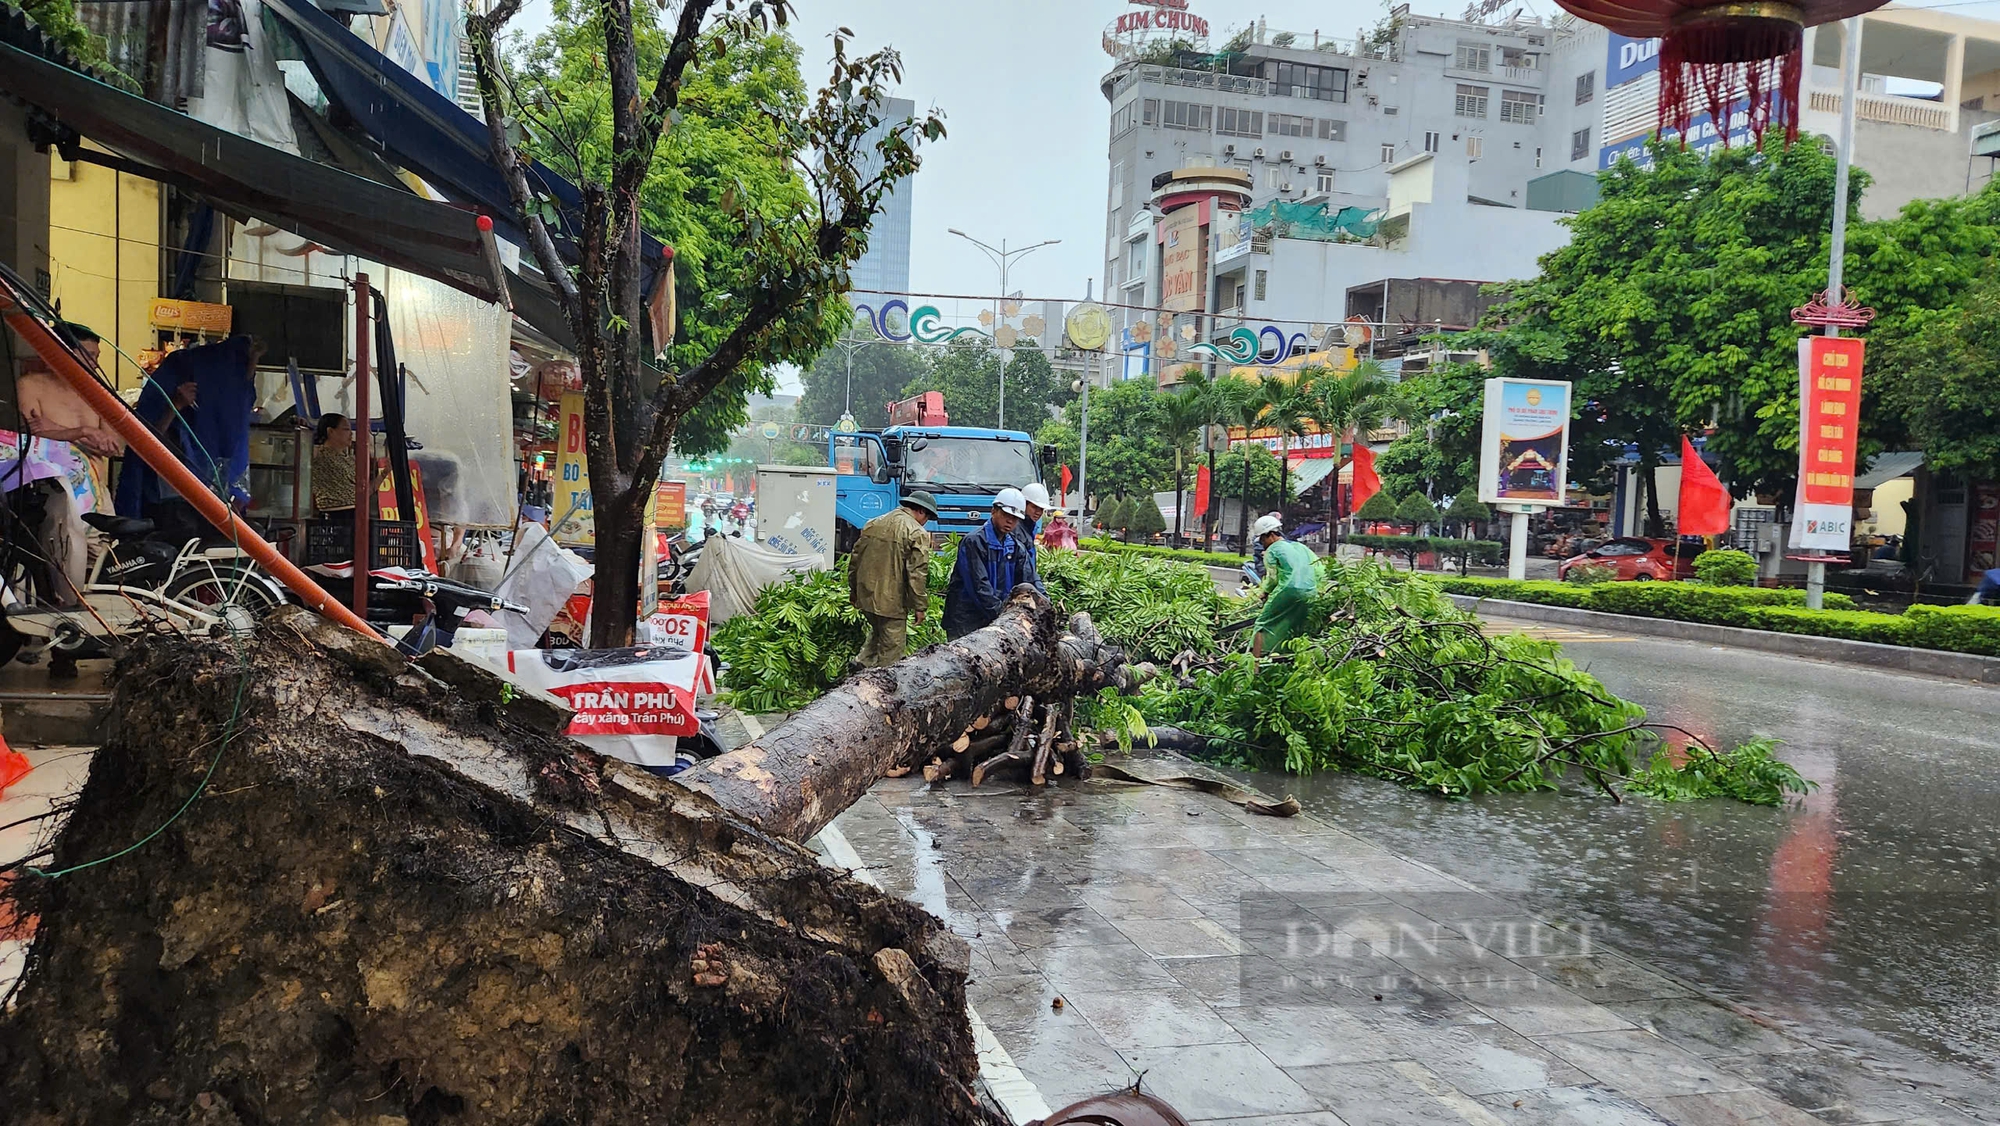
<point x="1869" y="654"/>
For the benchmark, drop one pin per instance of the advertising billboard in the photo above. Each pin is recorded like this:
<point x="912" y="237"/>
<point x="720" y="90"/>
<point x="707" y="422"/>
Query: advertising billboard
<point x="577" y="526"/>
<point x="1183" y="263"/>
<point x="1524" y="442"/>
<point x="1829" y="418"/>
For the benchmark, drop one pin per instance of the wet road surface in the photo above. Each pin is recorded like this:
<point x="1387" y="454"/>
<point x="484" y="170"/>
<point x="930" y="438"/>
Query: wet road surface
<point x="1866" y="919"/>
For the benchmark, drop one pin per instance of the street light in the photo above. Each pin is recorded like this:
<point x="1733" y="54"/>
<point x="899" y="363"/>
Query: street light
<point x="849" y="344"/>
<point x="1003" y="258"/>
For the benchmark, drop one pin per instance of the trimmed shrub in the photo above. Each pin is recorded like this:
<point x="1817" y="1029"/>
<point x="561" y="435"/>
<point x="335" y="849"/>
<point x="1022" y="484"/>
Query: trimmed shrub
<point x="1726" y="568"/>
<point x="1181" y="554"/>
<point x="1417" y="510"/>
<point x="1467" y="506"/>
<point x="1855" y="625"/>
<point x="1381" y="506"/>
<point x="1533" y="590"/>
<point x="1960" y="629"/>
<point x="1693" y="602"/>
<point x="1479" y="551"/>
<point x="1143" y="518"/>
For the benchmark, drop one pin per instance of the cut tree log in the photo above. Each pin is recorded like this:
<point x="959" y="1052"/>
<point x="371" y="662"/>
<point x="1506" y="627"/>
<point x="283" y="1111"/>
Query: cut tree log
<point x="802" y="773"/>
<point x="1016" y="747"/>
<point x="312" y="883"/>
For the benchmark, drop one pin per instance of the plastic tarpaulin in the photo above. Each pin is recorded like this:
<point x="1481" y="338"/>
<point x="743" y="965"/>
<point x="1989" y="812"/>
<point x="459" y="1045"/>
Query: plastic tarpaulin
<point x="1316" y="221"/>
<point x="734" y="570"/>
<point x="542" y="576"/>
<point x="632" y="704"/>
<point x="456" y="351"/>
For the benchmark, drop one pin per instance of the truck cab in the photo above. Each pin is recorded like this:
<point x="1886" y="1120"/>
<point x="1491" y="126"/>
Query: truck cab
<point x="964" y="467"/>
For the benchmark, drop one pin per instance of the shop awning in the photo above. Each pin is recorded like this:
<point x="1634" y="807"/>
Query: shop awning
<point x="1887" y="467"/>
<point x="1310" y="471"/>
<point x="249" y="180"/>
<point x="424" y="131"/>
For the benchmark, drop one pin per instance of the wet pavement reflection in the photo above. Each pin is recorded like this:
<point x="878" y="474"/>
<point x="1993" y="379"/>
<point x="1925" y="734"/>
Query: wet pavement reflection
<point x="1866" y="918"/>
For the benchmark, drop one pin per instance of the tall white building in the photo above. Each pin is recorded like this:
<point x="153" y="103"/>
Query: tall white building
<point x="885" y="268"/>
<point x="1294" y="168"/>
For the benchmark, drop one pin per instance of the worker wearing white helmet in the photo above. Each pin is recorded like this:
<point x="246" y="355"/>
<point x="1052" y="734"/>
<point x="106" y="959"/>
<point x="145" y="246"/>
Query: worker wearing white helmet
<point x="991" y="563"/>
<point x="1035" y="496"/>
<point x="1291" y="578"/>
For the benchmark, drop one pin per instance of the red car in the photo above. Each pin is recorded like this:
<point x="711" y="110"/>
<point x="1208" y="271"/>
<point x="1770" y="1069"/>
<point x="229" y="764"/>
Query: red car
<point x="1638" y="560"/>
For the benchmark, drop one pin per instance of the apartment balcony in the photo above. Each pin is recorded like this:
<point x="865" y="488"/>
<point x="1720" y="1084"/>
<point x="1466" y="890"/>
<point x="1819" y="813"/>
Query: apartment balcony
<point x="1889" y="109"/>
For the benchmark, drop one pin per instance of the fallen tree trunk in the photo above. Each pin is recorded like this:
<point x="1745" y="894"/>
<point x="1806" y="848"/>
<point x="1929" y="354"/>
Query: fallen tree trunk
<point x="805" y="771"/>
<point x="363" y="895"/>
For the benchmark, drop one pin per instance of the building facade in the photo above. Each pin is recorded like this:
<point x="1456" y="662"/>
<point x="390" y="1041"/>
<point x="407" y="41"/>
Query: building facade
<point x="885" y="268"/>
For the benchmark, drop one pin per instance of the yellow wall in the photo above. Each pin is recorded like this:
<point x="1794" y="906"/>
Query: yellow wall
<point x="104" y="256"/>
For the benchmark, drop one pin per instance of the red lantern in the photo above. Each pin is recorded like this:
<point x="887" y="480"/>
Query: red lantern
<point x="1713" y="53"/>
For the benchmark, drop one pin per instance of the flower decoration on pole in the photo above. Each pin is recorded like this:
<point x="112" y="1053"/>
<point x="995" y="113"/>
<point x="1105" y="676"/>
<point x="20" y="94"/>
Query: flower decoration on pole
<point x="1713" y="53"/>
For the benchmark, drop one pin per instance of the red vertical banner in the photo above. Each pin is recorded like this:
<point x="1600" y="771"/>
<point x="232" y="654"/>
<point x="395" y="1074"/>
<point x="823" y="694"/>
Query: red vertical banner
<point x="1201" y="491"/>
<point x="1829" y="422"/>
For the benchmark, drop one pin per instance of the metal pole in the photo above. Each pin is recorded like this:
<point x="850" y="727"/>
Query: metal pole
<point x="364" y="449"/>
<point x="1850" y="81"/>
<point x="999" y="318"/>
<point x="1517" y="547"/>
<point x="847" y="404"/>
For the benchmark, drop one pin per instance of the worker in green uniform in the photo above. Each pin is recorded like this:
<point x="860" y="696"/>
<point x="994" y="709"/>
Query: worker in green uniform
<point x="888" y="578"/>
<point x="1291" y="577"/>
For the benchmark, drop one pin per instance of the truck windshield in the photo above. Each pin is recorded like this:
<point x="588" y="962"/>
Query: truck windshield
<point x="970" y="465"/>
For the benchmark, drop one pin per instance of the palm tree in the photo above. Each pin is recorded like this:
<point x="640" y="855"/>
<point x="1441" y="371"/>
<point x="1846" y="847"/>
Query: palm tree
<point x="1237" y="403"/>
<point x="1287" y="410"/>
<point x="1182" y="415"/>
<point x="1351" y="402"/>
<point x="1199" y="384"/>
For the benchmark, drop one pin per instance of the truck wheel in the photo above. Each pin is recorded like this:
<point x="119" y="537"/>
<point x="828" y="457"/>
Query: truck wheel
<point x="844" y="537"/>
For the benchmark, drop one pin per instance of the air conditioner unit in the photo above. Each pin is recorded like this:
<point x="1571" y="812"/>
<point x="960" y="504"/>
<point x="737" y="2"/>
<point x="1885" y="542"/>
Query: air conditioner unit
<point x="1259" y="154"/>
<point x="1285" y="188"/>
<point x="1229" y="150"/>
<point x="1319" y="161"/>
<point x="1285" y="155"/>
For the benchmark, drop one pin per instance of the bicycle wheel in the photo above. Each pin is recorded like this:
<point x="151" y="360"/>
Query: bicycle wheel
<point x="240" y="596"/>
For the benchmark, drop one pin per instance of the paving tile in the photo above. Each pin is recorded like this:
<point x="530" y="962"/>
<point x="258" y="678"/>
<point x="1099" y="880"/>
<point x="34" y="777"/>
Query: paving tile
<point x="1136" y="898"/>
<point x="1153" y="1018"/>
<point x="1013" y="1001"/>
<point x="1232" y="981"/>
<point x="1219" y="1081"/>
<point x="1835" y="1091"/>
<point x="1181" y="938"/>
<point x="1586" y="1105"/>
<point x="1640" y="1064"/>
<point x="1392" y="1093"/>
<point x="1066" y="1062"/>
<point x="1452" y="962"/>
<point x="1405" y="998"/>
<point x="1392" y="872"/>
<point x="1100" y="968"/>
<point x="1730" y="1108"/>
<point x="1607" y="978"/>
<point x="1302" y="1036"/>
<point x="1314" y="890"/>
<point x="1706" y="1028"/>
<point x="1481" y="1059"/>
<point x="1519" y="936"/>
<point x="1271" y="862"/>
<point x="1457" y="904"/>
<point x="1535" y="1007"/>
<point x="1070" y="925"/>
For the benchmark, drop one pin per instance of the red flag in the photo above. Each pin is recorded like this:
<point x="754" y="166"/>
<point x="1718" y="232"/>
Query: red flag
<point x="1366" y="483"/>
<point x="1201" y="491"/>
<point x="1065" y="483"/>
<point x="1704" y="506"/>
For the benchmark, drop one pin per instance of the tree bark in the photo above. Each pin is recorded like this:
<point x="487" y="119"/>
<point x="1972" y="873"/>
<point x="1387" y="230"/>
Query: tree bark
<point x="1208" y="514"/>
<point x="805" y="771"/>
<point x="1655" y="523"/>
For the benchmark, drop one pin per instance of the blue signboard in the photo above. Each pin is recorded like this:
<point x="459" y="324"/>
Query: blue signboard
<point x="1630" y="59"/>
<point x="1702" y="137"/>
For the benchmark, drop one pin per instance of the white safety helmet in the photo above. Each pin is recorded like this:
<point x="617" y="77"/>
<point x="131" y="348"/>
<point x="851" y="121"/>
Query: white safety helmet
<point x="1036" y="494"/>
<point x="1011" y="502"/>
<point x="1264" y="526"/>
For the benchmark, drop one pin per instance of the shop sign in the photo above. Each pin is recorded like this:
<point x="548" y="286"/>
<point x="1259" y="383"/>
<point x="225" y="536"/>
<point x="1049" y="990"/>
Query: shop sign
<point x="1829" y="417"/>
<point x="1314" y="444"/>
<point x="1524" y="442"/>
<point x="572" y="487"/>
<point x="1160" y="15"/>
<point x="190" y="316"/>
<point x="1982" y="542"/>
<point x="670" y="505"/>
<point x="1183" y="271"/>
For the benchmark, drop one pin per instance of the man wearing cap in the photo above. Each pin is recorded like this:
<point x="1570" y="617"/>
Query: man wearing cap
<point x="991" y="562"/>
<point x="1035" y="498"/>
<point x="1291" y="578"/>
<point x="888" y="577"/>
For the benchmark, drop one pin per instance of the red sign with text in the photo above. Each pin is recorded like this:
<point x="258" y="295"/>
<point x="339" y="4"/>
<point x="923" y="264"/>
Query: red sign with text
<point x="1831" y="419"/>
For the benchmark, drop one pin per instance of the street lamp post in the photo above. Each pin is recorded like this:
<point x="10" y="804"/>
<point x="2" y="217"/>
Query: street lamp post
<point x="1003" y="258"/>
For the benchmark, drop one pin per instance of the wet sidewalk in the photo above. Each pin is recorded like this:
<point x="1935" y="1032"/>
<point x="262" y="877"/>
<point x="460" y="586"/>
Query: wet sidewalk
<point x="1261" y="971"/>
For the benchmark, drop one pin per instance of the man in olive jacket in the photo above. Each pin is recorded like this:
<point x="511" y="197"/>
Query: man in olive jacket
<point x="888" y="577"/>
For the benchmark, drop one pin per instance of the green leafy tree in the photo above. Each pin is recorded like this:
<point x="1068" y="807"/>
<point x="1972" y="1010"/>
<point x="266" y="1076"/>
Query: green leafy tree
<point x="767" y="196"/>
<point x="1183" y="412"/>
<point x="1350" y="403"/>
<point x="1468" y="507"/>
<point x="1381" y="506"/>
<point x="1416" y="510"/>
<point x="1197" y="384"/>
<point x="968" y="373"/>
<point x="1259" y="468"/>
<point x="1938" y="375"/>
<point x="1440" y="454"/>
<point x="1286" y="402"/>
<point x="880" y="371"/>
<point x="1239" y="403"/>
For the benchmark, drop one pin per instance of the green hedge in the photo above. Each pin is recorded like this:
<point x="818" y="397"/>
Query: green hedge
<point x="1960" y="629"/>
<point x="1183" y="554"/>
<point x="1855" y="625"/>
<point x="1953" y="629"/>
<point x="1450" y="547"/>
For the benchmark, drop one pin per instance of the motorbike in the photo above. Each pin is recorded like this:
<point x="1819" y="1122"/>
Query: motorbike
<point x="676" y="564"/>
<point x="139" y="581"/>
<point x="434" y="608"/>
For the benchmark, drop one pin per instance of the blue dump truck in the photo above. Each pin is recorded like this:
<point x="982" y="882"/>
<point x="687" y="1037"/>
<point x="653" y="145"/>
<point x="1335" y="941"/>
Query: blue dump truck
<point x="964" y="467"/>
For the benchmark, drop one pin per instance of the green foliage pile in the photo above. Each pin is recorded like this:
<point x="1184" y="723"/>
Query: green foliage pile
<point x="1153" y="608"/>
<point x="796" y="641"/>
<point x="1726" y="567"/>
<point x="1394" y="682"/>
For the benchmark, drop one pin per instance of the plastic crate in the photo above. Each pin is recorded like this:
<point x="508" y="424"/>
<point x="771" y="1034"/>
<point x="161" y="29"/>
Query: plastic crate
<point x="395" y="543"/>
